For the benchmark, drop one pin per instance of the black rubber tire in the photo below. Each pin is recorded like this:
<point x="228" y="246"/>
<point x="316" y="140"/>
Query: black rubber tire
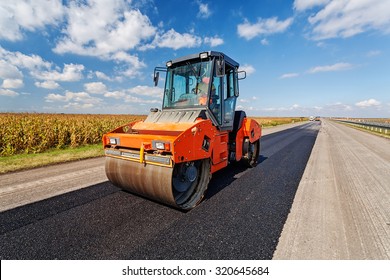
<point x="250" y="152"/>
<point x="194" y="194"/>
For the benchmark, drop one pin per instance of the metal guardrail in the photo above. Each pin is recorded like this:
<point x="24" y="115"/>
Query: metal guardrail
<point x="372" y="126"/>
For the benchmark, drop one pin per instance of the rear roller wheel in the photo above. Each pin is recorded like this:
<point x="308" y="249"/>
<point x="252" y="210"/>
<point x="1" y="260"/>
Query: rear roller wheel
<point x="189" y="182"/>
<point x="250" y="152"/>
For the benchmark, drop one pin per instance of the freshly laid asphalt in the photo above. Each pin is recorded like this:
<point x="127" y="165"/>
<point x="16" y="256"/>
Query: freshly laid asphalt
<point x="242" y="216"/>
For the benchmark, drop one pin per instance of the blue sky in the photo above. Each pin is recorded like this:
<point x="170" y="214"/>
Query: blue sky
<point x="302" y="57"/>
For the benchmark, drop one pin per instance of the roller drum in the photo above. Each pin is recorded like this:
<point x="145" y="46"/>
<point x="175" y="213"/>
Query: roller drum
<point x="182" y="186"/>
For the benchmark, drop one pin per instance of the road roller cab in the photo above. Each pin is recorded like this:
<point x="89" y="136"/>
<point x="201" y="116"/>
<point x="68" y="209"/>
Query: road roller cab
<point x="171" y="155"/>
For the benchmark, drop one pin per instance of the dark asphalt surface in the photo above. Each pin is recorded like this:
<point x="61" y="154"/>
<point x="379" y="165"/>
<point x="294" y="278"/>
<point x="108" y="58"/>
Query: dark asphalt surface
<point x="242" y="216"/>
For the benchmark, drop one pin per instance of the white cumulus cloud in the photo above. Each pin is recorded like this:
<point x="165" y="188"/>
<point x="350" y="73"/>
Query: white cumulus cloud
<point x="147" y="91"/>
<point x="12" y="83"/>
<point x="8" y="92"/>
<point x="102" y="76"/>
<point x="301" y="5"/>
<point x="30" y="62"/>
<point x="289" y="75"/>
<point x="25" y="15"/>
<point x="78" y="99"/>
<point x="175" y="40"/>
<point x="96" y="28"/>
<point x="213" y="41"/>
<point x="95" y="88"/>
<point x="106" y="29"/>
<point x="249" y="69"/>
<point x="268" y="26"/>
<point x="264" y="42"/>
<point x="9" y="71"/>
<point x="47" y="84"/>
<point x="341" y="66"/>
<point x="70" y="73"/>
<point x="368" y="103"/>
<point x="346" y="18"/>
<point x="204" y="11"/>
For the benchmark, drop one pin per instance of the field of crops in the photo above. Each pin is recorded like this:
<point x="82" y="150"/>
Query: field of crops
<point x="274" y="121"/>
<point x="35" y="133"/>
<point x="26" y="133"/>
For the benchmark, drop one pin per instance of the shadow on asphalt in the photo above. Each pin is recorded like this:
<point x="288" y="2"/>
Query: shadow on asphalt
<point x="31" y="213"/>
<point x="223" y="178"/>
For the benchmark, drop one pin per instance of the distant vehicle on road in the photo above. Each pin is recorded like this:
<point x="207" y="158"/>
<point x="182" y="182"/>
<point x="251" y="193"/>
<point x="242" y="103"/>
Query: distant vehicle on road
<point x="312" y="118"/>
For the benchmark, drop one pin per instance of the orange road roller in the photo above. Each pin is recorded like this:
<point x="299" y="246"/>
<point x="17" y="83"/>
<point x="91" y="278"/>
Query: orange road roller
<point x="171" y="155"/>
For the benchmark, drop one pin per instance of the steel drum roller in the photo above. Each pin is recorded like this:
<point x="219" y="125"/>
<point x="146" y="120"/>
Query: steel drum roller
<point x="182" y="186"/>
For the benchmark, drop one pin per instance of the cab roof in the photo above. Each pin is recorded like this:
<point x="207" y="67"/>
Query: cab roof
<point x="209" y="54"/>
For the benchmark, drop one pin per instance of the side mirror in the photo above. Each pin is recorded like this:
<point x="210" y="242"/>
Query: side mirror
<point x="241" y="75"/>
<point x="220" y="67"/>
<point x="155" y="78"/>
<point x="156" y="74"/>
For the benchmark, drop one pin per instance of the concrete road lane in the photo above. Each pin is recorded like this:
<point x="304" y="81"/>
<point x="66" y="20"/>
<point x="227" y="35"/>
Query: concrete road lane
<point x="20" y="188"/>
<point x="342" y="207"/>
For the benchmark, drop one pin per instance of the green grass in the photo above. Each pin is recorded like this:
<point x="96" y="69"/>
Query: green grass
<point x="27" y="161"/>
